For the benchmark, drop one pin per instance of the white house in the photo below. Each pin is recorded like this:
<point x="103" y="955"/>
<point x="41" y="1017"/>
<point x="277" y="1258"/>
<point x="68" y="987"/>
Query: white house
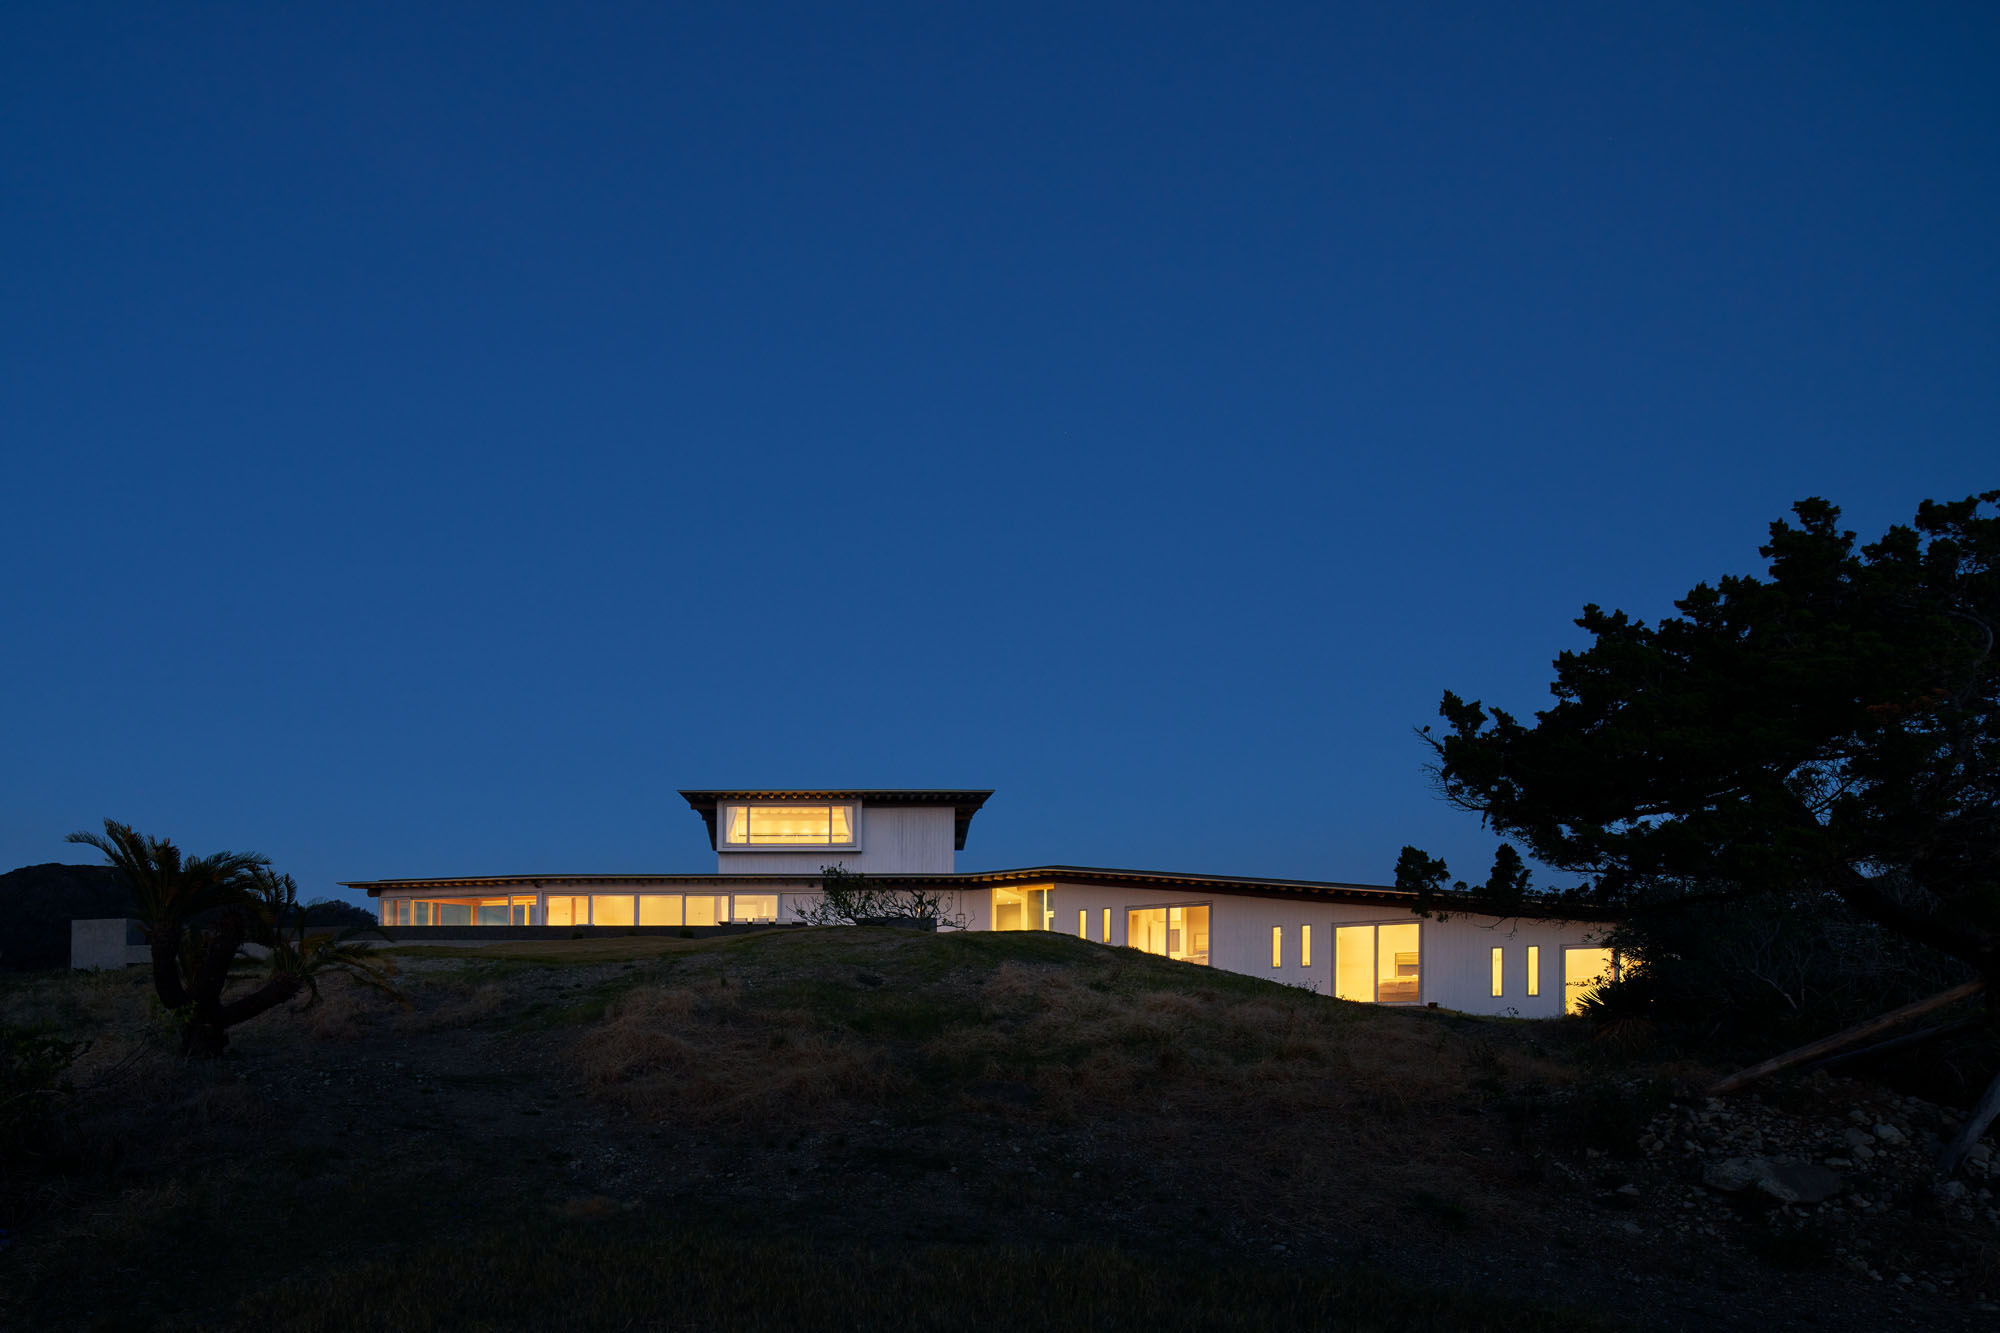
<point x="1356" y="941"/>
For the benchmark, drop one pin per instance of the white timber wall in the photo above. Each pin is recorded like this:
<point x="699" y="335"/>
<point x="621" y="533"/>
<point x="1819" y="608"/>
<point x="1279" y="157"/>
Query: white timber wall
<point x="1455" y="966"/>
<point x="895" y="840"/>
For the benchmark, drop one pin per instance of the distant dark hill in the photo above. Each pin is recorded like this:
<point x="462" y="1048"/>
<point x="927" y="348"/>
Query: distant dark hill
<point x="38" y="902"/>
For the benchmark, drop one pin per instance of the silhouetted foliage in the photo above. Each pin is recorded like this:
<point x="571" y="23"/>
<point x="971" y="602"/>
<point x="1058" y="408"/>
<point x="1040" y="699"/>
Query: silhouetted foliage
<point x="200" y="912"/>
<point x="851" y="898"/>
<point x="1824" y="740"/>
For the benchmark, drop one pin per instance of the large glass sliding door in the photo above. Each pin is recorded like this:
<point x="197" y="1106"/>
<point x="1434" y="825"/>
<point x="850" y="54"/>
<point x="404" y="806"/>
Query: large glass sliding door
<point x="1023" y="909"/>
<point x="1378" y="964"/>
<point x="1173" y="932"/>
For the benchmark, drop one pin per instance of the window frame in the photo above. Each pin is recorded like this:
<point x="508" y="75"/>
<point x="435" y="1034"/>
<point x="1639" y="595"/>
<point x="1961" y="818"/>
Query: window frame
<point x="1375" y="960"/>
<point x="724" y="812"/>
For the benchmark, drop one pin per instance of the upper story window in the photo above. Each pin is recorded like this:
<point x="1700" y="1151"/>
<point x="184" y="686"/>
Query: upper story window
<point x="819" y="825"/>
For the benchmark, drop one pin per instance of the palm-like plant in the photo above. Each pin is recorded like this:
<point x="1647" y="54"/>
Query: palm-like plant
<point x="199" y="912"/>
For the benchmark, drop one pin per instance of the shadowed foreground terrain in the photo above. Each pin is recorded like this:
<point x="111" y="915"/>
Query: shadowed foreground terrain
<point x="867" y="1128"/>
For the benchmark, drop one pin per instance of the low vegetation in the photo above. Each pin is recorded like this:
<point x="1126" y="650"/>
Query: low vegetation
<point x="854" y="1127"/>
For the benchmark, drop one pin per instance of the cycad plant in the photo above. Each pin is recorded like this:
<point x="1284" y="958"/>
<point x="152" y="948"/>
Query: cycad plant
<point x="201" y="912"/>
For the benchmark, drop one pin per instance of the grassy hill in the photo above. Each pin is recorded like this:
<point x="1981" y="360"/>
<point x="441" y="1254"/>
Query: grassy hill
<point x="852" y="1128"/>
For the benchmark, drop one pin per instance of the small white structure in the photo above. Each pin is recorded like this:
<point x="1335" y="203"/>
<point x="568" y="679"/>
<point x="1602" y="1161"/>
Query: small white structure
<point x="107" y="942"/>
<point x="1354" y="941"/>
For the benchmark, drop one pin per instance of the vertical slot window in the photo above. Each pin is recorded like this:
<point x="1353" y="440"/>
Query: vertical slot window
<point x="1083" y="924"/>
<point x="1277" y="946"/>
<point x="1534" y="969"/>
<point x="1499" y="972"/>
<point x="1305" y="946"/>
<point x="1107" y="925"/>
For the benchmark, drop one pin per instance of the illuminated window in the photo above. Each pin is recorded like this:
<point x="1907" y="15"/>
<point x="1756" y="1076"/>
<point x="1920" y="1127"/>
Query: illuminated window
<point x="1083" y="923"/>
<point x="756" y="907"/>
<point x="1277" y="946"/>
<point x="1498" y="974"/>
<point x="1107" y="925"/>
<point x="831" y="825"/>
<point x="1305" y="946"/>
<point x="1174" y="932"/>
<point x="1023" y="909"/>
<point x="659" y="909"/>
<point x="568" y="910"/>
<point x="1534" y="969"/>
<point x="459" y="912"/>
<point x="1378" y="964"/>
<point x="706" y="910"/>
<point x="1584" y="970"/>
<point x="612" y="909"/>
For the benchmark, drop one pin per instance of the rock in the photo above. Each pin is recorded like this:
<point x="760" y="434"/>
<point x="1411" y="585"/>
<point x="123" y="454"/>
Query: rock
<point x="1787" y="1182"/>
<point x="1858" y="1138"/>
<point x="1889" y="1134"/>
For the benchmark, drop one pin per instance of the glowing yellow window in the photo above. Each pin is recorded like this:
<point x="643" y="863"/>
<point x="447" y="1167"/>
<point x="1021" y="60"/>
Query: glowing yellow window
<point x="1277" y="946"/>
<point x="1584" y="970"/>
<point x="567" y="910"/>
<point x="1023" y="909"/>
<point x="1305" y="946"/>
<point x="1499" y="972"/>
<point x="1175" y="932"/>
<point x="1083" y="923"/>
<point x="1107" y="925"/>
<point x="1534" y="969"/>
<point x="756" y="907"/>
<point x="659" y="909"/>
<point x="1378" y="964"/>
<point x="612" y="909"/>
<point x="789" y="825"/>
<point x="706" y="909"/>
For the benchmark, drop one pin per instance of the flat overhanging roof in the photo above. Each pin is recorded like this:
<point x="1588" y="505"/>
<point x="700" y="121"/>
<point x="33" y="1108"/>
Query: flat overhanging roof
<point x="1305" y="890"/>
<point x="964" y="804"/>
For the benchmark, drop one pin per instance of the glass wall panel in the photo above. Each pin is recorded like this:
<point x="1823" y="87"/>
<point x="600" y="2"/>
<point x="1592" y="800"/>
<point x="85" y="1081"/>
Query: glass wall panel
<point x="1022" y="909"/>
<point x="1194" y="934"/>
<point x="1146" y="929"/>
<point x="756" y="907"/>
<point x="788" y="825"/>
<point x="1583" y="971"/>
<point x="1354" y="963"/>
<point x="612" y="909"/>
<point x="493" y="912"/>
<point x="1173" y="932"/>
<point x="523" y="912"/>
<point x="706" y="910"/>
<point x="659" y="909"/>
<point x="568" y="910"/>
<point x="1396" y="963"/>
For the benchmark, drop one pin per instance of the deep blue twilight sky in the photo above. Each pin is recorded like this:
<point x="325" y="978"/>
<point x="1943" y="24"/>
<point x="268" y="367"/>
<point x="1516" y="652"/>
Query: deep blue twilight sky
<point x="434" y="433"/>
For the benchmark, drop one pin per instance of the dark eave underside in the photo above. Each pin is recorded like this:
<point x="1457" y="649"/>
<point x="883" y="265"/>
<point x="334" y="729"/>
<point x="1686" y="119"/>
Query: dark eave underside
<point x="964" y="804"/>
